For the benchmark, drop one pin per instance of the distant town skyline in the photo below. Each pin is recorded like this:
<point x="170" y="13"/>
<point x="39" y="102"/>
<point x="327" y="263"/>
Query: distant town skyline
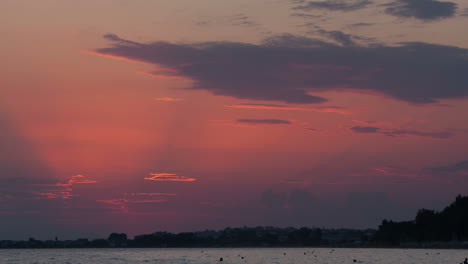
<point x="138" y="116"/>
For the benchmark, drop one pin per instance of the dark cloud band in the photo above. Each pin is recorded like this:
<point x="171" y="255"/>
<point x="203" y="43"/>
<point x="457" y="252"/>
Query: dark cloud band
<point x="421" y="9"/>
<point x="289" y="68"/>
<point x="333" y="5"/>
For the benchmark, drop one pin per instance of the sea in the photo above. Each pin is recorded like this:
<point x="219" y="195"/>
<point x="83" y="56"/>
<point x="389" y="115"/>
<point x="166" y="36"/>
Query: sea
<point x="232" y="256"/>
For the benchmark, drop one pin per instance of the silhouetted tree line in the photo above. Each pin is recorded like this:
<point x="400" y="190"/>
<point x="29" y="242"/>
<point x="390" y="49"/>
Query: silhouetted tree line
<point x="450" y="224"/>
<point x="228" y="237"/>
<point x="449" y="228"/>
<point x="233" y="237"/>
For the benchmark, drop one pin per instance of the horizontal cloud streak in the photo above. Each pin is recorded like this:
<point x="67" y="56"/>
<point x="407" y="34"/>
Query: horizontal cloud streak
<point x="265" y="121"/>
<point x="168" y="99"/>
<point x="401" y="132"/>
<point x="168" y="177"/>
<point x="324" y="109"/>
<point x="457" y="167"/>
<point x="333" y="5"/>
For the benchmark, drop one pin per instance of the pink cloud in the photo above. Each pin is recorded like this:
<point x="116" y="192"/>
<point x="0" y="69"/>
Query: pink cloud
<point x="397" y="171"/>
<point x="56" y="195"/>
<point x="115" y="57"/>
<point x="80" y="179"/>
<point x="168" y="99"/>
<point x="123" y="201"/>
<point x="150" y="194"/>
<point x="168" y="177"/>
<point x="63" y="189"/>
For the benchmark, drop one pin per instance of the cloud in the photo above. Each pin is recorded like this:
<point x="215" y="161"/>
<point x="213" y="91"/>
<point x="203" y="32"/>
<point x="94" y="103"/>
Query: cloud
<point x="333" y="5"/>
<point x="56" y="194"/>
<point x="396" y="171"/>
<point x="133" y="202"/>
<point x="265" y="121"/>
<point x="238" y="20"/>
<point x="359" y="25"/>
<point x="412" y="72"/>
<point x="294" y="181"/>
<point x="435" y="135"/>
<point x="338" y="36"/>
<point x="362" y="129"/>
<point x="61" y="189"/>
<point x="79" y="179"/>
<point x="116" y="38"/>
<point x="461" y="166"/>
<point x="344" y="39"/>
<point x="148" y="194"/>
<point x="168" y="99"/>
<point x="324" y="109"/>
<point x="455" y="173"/>
<point x="243" y="20"/>
<point x="75" y="179"/>
<point x="401" y="132"/>
<point x="307" y="16"/>
<point x="465" y="12"/>
<point x="168" y="177"/>
<point x="421" y="9"/>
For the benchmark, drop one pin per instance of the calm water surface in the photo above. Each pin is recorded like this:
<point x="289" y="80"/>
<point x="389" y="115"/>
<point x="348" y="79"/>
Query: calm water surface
<point x="231" y="256"/>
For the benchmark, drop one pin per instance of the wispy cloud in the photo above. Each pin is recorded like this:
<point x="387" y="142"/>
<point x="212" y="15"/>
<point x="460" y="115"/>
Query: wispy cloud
<point x="168" y="99"/>
<point x="243" y="20"/>
<point x="294" y="181"/>
<point x="265" y="121"/>
<point x="363" y="129"/>
<point x="401" y="132"/>
<point x="333" y="5"/>
<point x="79" y="179"/>
<point x="359" y="25"/>
<point x="75" y="179"/>
<point x="54" y="194"/>
<point x="148" y="194"/>
<point x="116" y="38"/>
<point x="461" y="166"/>
<point x="169" y="177"/>
<point x="124" y="200"/>
<point x="324" y="109"/>
<point x="236" y="20"/>
<point x="62" y="189"/>
<point x="398" y="171"/>
<point x="163" y="75"/>
<point x="114" y="57"/>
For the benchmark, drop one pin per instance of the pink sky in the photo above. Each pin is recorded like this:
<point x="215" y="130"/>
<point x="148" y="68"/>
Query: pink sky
<point x="142" y="116"/>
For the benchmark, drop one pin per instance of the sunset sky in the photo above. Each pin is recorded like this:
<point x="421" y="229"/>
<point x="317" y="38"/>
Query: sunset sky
<point x="139" y="116"/>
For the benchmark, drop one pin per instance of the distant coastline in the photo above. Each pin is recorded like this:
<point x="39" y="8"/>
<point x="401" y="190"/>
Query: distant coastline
<point x="447" y="229"/>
